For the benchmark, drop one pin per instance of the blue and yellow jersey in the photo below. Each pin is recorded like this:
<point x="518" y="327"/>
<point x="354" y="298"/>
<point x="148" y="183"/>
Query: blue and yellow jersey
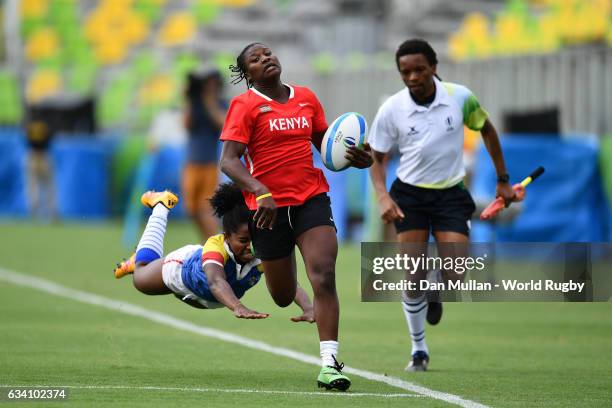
<point x="240" y="277"/>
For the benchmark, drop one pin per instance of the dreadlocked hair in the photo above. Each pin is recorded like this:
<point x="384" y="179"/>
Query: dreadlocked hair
<point x="239" y="70"/>
<point x="228" y="204"/>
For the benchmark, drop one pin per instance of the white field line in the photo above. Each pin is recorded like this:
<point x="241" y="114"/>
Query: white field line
<point x="216" y="390"/>
<point x="127" y="308"/>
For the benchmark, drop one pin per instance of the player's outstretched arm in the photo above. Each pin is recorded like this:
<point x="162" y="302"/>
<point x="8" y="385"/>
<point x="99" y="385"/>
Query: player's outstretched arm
<point x="223" y="292"/>
<point x="303" y="301"/>
<point x="493" y="145"/>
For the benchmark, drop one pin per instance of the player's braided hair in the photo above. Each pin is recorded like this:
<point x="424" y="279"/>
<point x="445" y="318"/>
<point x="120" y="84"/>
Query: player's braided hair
<point x="417" y="46"/>
<point x="228" y="204"/>
<point x="239" y="70"/>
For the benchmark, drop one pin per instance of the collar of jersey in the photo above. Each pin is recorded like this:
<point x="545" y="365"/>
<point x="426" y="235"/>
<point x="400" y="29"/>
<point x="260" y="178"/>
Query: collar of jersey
<point x="241" y="270"/>
<point x="442" y="98"/>
<point x="256" y="92"/>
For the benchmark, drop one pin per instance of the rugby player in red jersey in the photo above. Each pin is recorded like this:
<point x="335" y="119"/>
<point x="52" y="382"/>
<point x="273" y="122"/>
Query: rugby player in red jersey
<point x="272" y="125"/>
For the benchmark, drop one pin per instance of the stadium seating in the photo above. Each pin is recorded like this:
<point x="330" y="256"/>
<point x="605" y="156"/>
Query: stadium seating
<point x="112" y="108"/>
<point x="82" y="78"/>
<point x="178" y="29"/>
<point x="521" y="28"/>
<point x="67" y="42"/>
<point x="10" y="98"/>
<point x="43" y="83"/>
<point x="33" y="9"/>
<point x="42" y="44"/>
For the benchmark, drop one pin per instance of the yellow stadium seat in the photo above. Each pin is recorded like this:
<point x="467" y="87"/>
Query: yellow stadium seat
<point x="34" y="9"/>
<point x="517" y="30"/>
<point x="115" y="6"/>
<point x="42" y="84"/>
<point x="111" y="52"/>
<point x="476" y="33"/>
<point x="125" y="25"/>
<point x="159" y="90"/>
<point x="113" y="30"/>
<point x="597" y="14"/>
<point x="508" y="31"/>
<point x="42" y="44"/>
<point x="94" y="25"/>
<point x="136" y="28"/>
<point x="549" y="39"/>
<point x="476" y="25"/>
<point x="178" y="29"/>
<point x="235" y="3"/>
<point x="457" y="46"/>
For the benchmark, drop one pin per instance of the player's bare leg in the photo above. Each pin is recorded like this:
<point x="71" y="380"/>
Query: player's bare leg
<point x="281" y="279"/>
<point x="148" y="278"/>
<point x="319" y="248"/>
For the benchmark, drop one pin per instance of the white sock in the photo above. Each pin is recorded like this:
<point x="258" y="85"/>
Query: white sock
<point x="153" y="235"/>
<point x="415" y="311"/>
<point x="328" y="349"/>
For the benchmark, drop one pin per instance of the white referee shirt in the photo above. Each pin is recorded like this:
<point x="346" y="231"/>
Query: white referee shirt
<point x="430" y="139"/>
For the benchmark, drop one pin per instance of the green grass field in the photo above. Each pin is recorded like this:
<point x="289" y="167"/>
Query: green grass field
<point x="497" y="354"/>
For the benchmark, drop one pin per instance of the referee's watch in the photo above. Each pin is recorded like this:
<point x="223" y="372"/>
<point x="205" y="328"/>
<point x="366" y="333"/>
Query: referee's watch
<point x="503" y="178"/>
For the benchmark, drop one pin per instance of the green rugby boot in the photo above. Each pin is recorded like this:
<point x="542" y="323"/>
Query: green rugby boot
<point x="331" y="377"/>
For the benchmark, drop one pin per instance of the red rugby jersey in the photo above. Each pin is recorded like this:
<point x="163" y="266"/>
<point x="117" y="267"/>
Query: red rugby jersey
<point x="278" y="139"/>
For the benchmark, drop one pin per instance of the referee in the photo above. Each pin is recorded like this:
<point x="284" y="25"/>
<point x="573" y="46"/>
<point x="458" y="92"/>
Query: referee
<point x="425" y="122"/>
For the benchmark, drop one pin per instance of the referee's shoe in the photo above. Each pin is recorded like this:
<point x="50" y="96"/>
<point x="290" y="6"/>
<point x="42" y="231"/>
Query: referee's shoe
<point x="418" y="362"/>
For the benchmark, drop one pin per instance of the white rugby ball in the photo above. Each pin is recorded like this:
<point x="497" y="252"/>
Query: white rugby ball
<point x="347" y="130"/>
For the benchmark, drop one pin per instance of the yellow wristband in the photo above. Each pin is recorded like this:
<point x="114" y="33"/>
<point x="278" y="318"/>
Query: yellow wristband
<point x="261" y="197"/>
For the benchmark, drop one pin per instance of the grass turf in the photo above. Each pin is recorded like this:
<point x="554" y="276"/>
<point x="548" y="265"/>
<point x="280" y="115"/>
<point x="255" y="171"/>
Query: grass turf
<point x="499" y="354"/>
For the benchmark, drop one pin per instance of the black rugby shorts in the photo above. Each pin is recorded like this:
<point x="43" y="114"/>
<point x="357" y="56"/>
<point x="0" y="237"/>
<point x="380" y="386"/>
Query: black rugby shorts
<point x="291" y="222"/>
<point x="448" y="209"/>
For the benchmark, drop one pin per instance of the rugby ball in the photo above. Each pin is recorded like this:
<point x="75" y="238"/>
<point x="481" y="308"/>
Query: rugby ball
<point x="347" y="130"/>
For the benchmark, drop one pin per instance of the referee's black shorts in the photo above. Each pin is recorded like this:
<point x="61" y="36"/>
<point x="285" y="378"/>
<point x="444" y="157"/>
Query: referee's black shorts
<point x="448" y="209"/>
<point x="290" y="223"/>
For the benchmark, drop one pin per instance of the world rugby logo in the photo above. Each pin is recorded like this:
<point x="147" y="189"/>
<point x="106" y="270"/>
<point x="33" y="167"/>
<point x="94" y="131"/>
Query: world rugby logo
<point x="348" y="141"/>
